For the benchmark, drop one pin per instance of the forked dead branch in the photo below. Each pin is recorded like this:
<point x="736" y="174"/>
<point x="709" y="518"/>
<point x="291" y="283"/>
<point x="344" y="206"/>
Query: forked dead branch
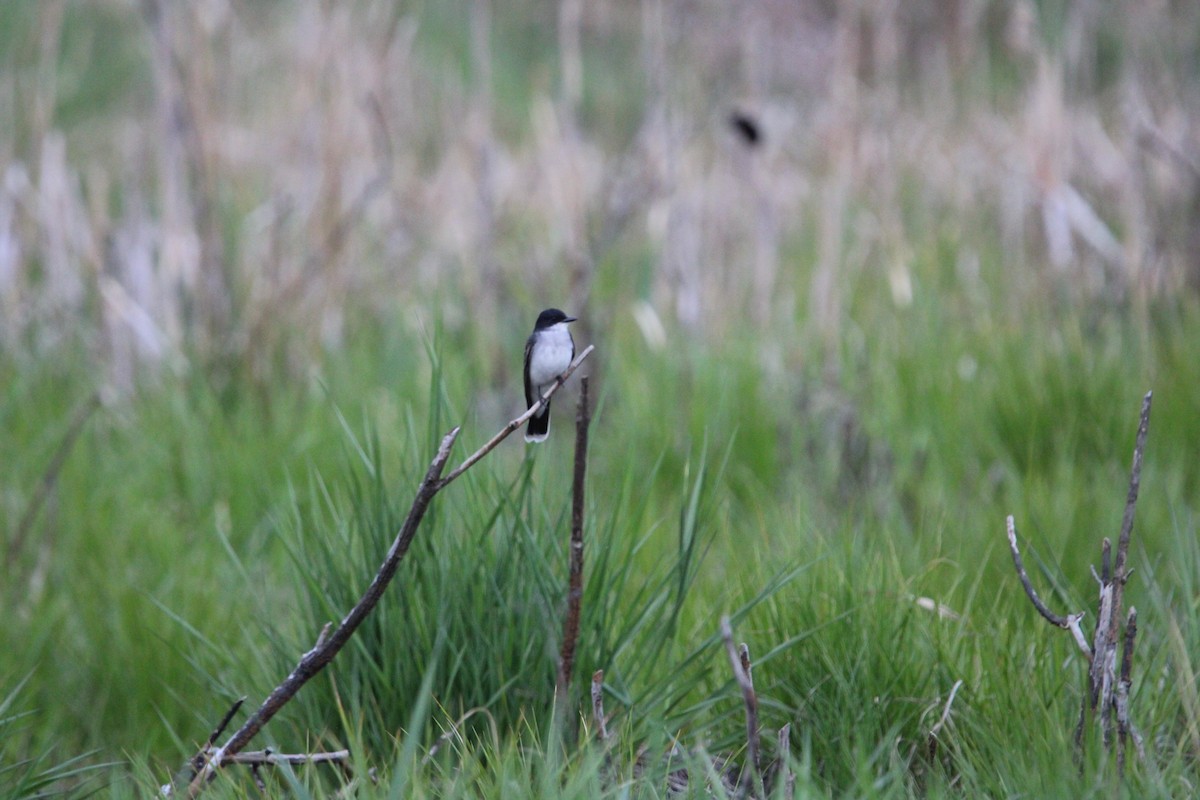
<point x="204" y="766"/>
<point x="1108" y="692"/>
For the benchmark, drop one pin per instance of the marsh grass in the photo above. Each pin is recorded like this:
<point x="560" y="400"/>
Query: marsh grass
<point x="827" y="370"/>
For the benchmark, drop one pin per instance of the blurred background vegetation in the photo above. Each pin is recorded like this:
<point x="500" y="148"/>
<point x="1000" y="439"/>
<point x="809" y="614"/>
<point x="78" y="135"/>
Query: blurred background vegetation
<point x="863" y="277"/>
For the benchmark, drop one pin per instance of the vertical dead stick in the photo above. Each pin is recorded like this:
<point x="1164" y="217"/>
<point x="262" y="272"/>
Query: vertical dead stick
<point x="1067" y="623"/>
<point x="78" y="419"/>
<point x="1135" y="482"/>
<point x="598" y="704"/>
<point x="742" y="676"/>
<point x="1104" y="666"/>
<point x="566" y="661"/>
<point x="1120" y="573"/>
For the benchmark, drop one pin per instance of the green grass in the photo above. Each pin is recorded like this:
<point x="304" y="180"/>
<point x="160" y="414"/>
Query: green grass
<point x="823" y="493"/>
<point x="195" y="544"/>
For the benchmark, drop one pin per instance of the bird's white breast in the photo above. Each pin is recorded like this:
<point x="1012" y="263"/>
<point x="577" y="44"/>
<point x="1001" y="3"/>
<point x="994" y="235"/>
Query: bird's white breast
<point x="551" y="356"/>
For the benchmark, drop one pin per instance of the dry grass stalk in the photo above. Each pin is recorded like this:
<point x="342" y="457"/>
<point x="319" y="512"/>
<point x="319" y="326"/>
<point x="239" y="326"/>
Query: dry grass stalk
<point x="740" y="662"/>
<point x="566" y="660"/>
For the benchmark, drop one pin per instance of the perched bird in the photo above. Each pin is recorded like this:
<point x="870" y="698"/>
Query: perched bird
<point x="548" y="352"/>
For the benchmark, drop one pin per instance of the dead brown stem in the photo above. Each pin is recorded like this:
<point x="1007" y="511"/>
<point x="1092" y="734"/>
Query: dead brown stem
<point x="566" y="659"/>
<point x="742" y="675"/>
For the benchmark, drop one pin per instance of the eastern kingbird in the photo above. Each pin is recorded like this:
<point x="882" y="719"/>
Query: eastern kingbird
<point x="548" y="352"/>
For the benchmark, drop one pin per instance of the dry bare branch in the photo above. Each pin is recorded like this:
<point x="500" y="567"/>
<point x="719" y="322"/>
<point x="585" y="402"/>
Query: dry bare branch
<point x="269" y="758"/>
<point x="1135" y="481"/>
<point x="566" y="661"/>
<point x="1107" y="693"/>
<point x="1103" y="674"/>
<point x="1067" y="623"/>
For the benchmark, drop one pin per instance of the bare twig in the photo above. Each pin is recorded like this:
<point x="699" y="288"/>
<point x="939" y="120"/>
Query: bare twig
<point x="598" y="704"/>
<point x="1067" y="623"/>
<point x="937" y="727"/>
<point x="516" y="423"/>
<point x="269" y="758"/>
<point x="1104" y="667"/>
<point x="17" y="543"/>
<point x="742" y="675"/>
<point x="259" y="783"/>
<point x="225" y="720"/>
<point x="1107" y="693"/>
<point x="1135" y="482"/>
<point x="566" y="659"/>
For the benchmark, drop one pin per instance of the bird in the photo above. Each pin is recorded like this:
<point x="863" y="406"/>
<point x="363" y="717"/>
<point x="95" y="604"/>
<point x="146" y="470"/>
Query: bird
<point x="549" y="350"/>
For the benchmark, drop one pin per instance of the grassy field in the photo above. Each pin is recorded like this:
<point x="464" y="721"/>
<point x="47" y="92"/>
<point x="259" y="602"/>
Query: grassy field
<point x="256" y="259"/>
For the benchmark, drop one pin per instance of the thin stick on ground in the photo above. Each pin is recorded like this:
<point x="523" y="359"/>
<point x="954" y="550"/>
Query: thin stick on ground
<point x="566" y="661"/>
<point x="742" y="675"/>
<point x="329" y="645"/>
<point x="1067" y="623"/>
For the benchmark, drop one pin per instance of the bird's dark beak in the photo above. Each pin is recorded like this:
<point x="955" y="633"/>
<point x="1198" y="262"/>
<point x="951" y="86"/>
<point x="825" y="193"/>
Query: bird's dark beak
<point x="571" y="319"/>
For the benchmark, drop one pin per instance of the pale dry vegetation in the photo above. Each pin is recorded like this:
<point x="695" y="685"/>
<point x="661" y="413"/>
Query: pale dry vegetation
<point x="272" y="170"/>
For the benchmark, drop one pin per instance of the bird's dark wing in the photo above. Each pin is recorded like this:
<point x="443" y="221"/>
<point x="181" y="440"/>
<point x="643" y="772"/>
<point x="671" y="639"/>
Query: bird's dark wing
<point x="529" y="392"/>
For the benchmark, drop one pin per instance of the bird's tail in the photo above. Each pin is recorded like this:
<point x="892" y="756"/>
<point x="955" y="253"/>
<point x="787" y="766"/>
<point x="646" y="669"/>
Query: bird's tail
<point x="539" y="425"/>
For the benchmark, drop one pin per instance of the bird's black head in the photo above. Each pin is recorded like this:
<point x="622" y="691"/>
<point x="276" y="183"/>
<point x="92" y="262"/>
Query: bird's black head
<point x="551" y="316"/>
